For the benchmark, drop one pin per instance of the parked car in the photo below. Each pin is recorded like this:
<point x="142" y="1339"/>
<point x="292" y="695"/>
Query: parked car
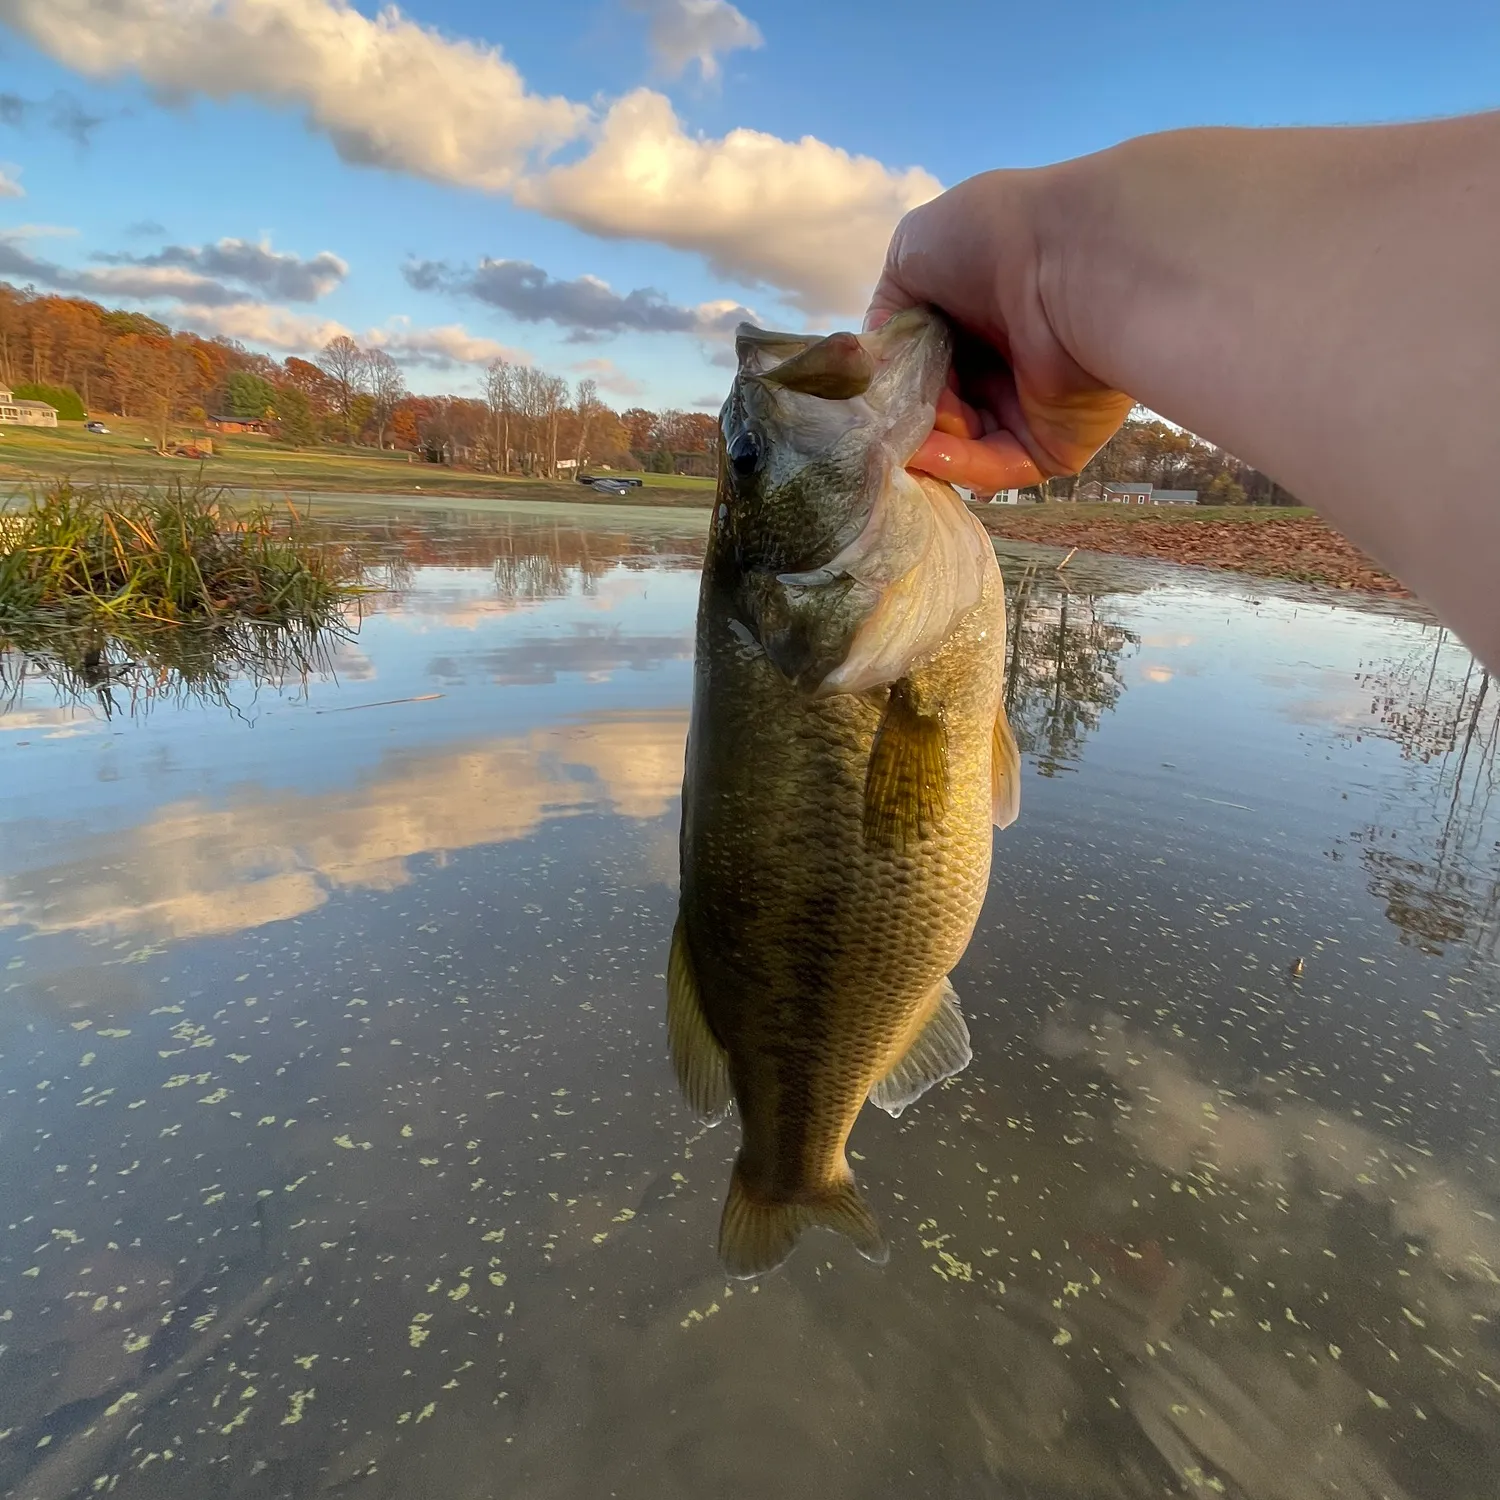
<point x="624" y="479"/>
<point x="610" y="486"/>
<point x="95" y="427"/>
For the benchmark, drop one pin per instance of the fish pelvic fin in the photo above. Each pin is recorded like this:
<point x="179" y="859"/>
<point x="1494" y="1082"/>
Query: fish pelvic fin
<point x="701" y="1064"/>
<point x="906" y="786"/>
<point x="941" y="1049"/>
<point x="757" y="1235"/>
<point x="1005" y="773"/>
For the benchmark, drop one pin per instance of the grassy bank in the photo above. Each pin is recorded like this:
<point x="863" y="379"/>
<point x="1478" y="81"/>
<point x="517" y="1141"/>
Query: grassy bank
<point x="103" y="584"/>
<point x="1270" y="542"/>
<point x="126" y="454"/>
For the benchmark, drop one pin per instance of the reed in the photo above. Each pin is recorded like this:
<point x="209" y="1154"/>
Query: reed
<point x="166" y="589"/>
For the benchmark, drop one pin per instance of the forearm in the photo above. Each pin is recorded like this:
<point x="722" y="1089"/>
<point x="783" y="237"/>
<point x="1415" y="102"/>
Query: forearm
<point x="1323" y="303"/>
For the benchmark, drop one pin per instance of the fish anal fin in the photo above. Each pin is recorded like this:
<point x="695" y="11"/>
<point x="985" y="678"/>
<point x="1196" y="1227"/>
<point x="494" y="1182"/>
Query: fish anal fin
<point x="938" y="1051"/>
<point x="1005" y="773"/>
<point x="701" y="1064"/>
<point x="906" y="786"/>
<point x="756" y="1234"/>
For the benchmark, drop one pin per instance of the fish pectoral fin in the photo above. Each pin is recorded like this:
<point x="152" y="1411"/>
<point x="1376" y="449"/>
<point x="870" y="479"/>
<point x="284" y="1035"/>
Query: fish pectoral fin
<point x="940" y="1050"/>
<point x="1005" y="773"/>
<point x="756" y="1235"/>
<point x="906" y="786"/>
<point x="701" y="1064"/>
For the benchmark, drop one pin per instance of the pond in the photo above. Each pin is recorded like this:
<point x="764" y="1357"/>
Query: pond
<point x="342" y="1154"/>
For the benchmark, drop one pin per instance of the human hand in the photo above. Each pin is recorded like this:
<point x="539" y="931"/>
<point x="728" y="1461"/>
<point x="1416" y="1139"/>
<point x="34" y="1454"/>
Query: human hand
<point x="1020" y="406"/>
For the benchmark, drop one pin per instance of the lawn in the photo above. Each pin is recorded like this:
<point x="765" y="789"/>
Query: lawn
<point x="36" y="456"/>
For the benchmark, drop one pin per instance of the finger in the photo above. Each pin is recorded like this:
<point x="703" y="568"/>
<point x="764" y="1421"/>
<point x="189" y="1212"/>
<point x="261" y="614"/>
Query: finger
<point x="888" y="298"/>
<point x="956" y="417"/>
<point x="995" y="462"/>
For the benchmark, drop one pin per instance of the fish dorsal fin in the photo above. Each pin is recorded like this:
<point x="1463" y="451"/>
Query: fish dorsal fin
<point x="1005" y="773"/>
<point x="760" y="349"/>
<point x="756" y="1235"/>
<point x="701" y="1064"/>
<point x="939" y="1050"/>
<point x="837" y="368"/>
<point x="906" y="785"/>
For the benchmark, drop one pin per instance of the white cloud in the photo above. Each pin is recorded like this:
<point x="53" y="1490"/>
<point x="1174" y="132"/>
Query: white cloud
<point x="442" y="347"/>
<point x="271" y="327"/>
<point x="260" y="323"/>
<point x="801" y="216"/>
<point x="610" y="377"/>
<point x="683" y="32"/>
<point x="386" y="91"/>
<point x="9" y="187"/>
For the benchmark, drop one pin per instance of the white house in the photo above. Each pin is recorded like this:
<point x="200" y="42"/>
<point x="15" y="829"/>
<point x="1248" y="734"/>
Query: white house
<point x="25" y="413"/>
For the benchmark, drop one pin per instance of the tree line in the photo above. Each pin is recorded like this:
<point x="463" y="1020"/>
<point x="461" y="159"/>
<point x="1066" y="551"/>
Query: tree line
<point x="82" y="357"/>
<point x="1148" y="450"/>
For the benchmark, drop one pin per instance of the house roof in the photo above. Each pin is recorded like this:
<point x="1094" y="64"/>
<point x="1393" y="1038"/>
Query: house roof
<point x="1130" y="488"/>
<point x="1175" y="494"/>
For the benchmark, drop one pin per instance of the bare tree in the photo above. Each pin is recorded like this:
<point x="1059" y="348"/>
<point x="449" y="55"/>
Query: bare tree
<point x="554" y="392"/>
<point x="531" y="416"/>
<point x="347" y="366"/>
<point x="500" y="396"/>
<point x="387" y="386"/>
<point x="589" y="408"/>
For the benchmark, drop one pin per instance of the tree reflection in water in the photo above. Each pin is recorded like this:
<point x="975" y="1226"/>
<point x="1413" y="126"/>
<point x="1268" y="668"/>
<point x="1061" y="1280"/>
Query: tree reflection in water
<point x="1063" y="667"/>
<point x="1433" y="860"/>
<point x="533" y="559"/>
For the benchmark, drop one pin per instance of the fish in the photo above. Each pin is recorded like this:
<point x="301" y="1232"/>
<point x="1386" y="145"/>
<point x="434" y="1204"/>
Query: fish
<point x="848" y="757"/>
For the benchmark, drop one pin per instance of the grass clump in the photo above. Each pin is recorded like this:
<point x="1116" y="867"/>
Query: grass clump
<point x="172" y="557"/>
<point x="108" y="587"/>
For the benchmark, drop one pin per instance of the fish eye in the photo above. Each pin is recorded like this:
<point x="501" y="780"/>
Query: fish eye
<point x="745" y="453"/>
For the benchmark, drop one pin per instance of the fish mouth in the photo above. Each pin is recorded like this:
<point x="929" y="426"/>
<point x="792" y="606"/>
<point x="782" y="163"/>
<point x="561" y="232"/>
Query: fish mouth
<point x="896" y="372"/>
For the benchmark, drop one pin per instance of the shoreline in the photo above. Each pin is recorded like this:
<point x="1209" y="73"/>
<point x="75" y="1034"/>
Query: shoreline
<point x="1293" y="547"/>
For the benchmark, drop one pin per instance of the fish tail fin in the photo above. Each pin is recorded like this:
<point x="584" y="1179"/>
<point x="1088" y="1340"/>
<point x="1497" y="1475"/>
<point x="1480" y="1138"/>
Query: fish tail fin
<point x="844" y="1210"/>
<point x="755" y="1235"/>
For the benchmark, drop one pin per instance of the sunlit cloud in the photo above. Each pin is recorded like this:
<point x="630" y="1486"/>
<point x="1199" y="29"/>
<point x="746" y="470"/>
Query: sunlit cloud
<point x="199" y="868"/>
<point x="803" y="217"/>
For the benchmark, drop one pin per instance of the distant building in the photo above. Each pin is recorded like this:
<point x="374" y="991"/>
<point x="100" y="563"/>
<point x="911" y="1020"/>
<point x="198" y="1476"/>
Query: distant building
<point x="1089" y="492"/>
<point x="1000" y="497"/>
<point x="239" y="424"/>
<point x="25" y="413"/>
<point x="1136" y="493"/>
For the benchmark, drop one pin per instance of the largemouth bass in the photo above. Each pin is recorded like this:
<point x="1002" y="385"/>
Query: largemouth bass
<point x="847" y="756"/>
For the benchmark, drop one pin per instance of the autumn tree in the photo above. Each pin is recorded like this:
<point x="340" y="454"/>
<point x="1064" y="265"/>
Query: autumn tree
<point x="638" y="424"/>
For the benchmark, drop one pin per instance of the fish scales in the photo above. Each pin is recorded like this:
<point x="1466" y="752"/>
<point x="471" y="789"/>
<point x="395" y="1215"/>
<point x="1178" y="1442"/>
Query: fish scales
<point x="846" y="760"/>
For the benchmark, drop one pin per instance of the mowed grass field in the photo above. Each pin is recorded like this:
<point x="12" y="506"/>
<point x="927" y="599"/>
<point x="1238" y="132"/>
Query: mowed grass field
<point x="35" y="457"/>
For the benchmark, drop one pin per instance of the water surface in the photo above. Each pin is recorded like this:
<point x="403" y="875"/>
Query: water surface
<point x="341" y="1153"/>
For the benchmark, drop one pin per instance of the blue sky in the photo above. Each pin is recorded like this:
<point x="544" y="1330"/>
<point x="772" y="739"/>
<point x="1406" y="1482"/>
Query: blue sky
<point x="143" y="134"/>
